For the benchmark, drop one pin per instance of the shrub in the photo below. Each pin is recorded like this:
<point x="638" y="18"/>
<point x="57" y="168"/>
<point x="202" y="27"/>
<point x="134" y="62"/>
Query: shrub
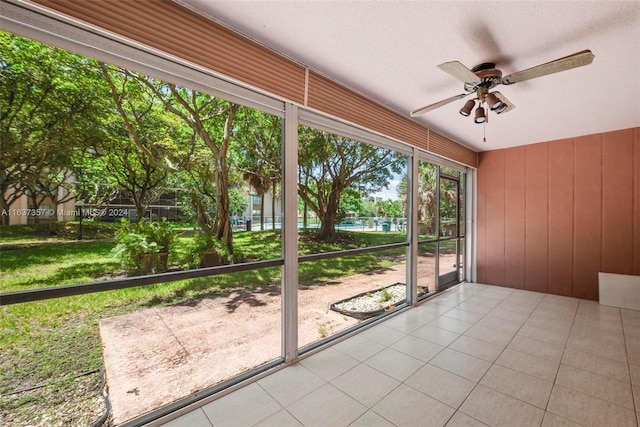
<point x="139" y="245"/>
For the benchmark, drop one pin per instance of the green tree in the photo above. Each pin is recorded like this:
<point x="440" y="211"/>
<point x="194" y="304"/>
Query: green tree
<point x="330" y="164"/>
<point x="212" y="120"/>
<point x="258" y="155"/>
<point x="142" y="138"/>
<point x="51" y="102"/>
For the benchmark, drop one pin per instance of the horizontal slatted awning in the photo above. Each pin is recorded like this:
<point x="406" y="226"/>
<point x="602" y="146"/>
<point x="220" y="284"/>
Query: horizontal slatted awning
<point x="168" y="27"/>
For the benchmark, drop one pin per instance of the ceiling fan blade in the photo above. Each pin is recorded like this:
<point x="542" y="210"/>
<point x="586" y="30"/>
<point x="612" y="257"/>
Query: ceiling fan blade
<point x="459" y="71"/>
<point x="421" y="111"/>
<point x="505" y="101"/>
<point x="578" y="59"/>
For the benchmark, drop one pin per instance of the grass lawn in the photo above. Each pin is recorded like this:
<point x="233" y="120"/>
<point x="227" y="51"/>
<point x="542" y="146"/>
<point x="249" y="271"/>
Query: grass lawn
<point x="53" y="341"/>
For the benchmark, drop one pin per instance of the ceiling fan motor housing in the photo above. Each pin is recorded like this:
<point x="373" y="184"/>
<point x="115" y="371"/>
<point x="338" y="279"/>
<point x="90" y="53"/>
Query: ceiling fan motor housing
<point x="489" y="76"/>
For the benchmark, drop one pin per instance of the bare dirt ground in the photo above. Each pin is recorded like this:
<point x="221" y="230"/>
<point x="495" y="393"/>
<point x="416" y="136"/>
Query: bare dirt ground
<point x="158" y="355"/>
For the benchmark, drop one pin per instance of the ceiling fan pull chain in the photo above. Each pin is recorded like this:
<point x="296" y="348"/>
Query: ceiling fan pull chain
<point x="484" y="130"/>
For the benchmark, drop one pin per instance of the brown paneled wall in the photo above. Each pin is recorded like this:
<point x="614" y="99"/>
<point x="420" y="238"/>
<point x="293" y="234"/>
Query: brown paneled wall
<point x="206" y="43"/>
<point x="552" y="215"/>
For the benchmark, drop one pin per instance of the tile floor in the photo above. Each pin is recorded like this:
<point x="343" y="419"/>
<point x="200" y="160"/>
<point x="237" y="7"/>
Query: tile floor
<point x="475" y="355"/>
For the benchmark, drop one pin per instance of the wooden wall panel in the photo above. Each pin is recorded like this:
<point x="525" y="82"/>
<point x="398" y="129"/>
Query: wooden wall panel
<point x="636" y="201"/>
<point x="617" y="202"/>
<point x="561" y="172"/>
<point x="571" y="209"/>
<point x="514" y="221"/>
<point x="536" y="217"/>
<point x="495" y="164"/>
<point x="481" y="221"/>
<point x="587" y="216"/>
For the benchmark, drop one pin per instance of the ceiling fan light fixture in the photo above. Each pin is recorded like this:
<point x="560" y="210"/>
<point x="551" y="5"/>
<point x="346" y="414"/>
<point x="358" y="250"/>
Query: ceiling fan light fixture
<point x="480" y="117"/>
<point x="502" y="108"/>
<point x="493" y="102"/>
<point x="468" y="106"/>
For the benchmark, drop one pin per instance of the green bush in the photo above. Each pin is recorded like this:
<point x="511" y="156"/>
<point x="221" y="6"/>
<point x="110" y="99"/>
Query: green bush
<point x="203" y="243"/>
<point x="143" y="247"/>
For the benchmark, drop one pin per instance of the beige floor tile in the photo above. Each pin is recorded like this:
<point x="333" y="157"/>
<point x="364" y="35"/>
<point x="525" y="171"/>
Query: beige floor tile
<point x="383" y="335"/>
<point x="493" y="321"/>
<point x="524" y="387"/>
<point x="423" y="314"/>
<point x="450" y="324"/>
<point x="536" y="348"/>
<point x="475" y="307"/>
<point x="365" y="384"/>
<point x="497" y="409"/>
<point x="552" y="313"/>
<point x="478" y="348"/>
<point x="598" y="386"/>
<point x="278" y="385"/>
<point x="587" y="410"/>
<point x="636" y="395"/>
<point x="405" y="406"/>
<point x="436" y="335"/>
<point x="606" y="325"/>
<point x="630" y="316"/>
<point x="553" y="336"/>
<point x="395" y="364"/>
<point x="281" y="418"/>
<point x="195" y="418"/>
<point x="418" y="348"/>
<point x="405" y="323"/>
<point x="630" y="322"/>
<point x="461" y="420"/>
<point x="538" y="367"/>
<point x="553" y="420"/>
<point x="326" y="406"/>
<point x="371" y="419"/>
<point x="517" y="307"/>
<point x="633" y="349"/>
<point x="464" y="315"/>
<point x="631" y="330"/>
<point x="635" y="374"/>
<point x="498" y="293"/>
<point x="450" y="300"/>
<point x="359" y="347"/>
<point x="595" y="341"/>
<point x="596" y="364"/>
<point x="494" y="336"/>
<point x="507" y="316"/>
<point x="329" y="363"/>
<point x="549" y="324"/>
<point x="461" y="364"/>
<point x="595" y="312"/>
<point x="432" y="306"/>
<point x="442" y="385"/>
<point x="232" y="409"/>
<point x="561" y="302"/>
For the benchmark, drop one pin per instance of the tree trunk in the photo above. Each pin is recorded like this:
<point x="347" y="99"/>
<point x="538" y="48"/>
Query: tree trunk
<point x="262" y="211"/>
<point x="223" y="215"/>
<point x="139" y="210"/>
<point x="36" y="205"/>
<point x="305" y="212"/>
<point x="4" y="211"/>
<point x="273" y="207"/>
<point x="327" y="229"/>
<point x="328" y="220"/>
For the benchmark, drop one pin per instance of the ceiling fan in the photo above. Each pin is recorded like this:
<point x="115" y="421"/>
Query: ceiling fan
<point x="484" y="77"/>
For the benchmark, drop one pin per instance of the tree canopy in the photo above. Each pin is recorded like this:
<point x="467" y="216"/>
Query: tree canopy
<point x="75" y="128"/>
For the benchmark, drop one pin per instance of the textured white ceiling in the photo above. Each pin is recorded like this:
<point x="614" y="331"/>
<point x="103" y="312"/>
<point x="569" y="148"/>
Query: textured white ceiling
<point x="389" y="50"/>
